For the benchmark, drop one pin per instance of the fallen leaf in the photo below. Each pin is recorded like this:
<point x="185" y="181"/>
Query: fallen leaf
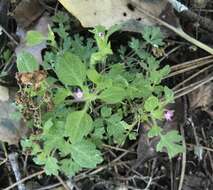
<point x="202" y="97"/>
<point x="110" y="12"/>
<point x="27" y="12"/>
<point x="33" y="78"/>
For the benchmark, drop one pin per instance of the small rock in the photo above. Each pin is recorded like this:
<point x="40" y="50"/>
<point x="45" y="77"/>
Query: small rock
<point x="4" y="93"/>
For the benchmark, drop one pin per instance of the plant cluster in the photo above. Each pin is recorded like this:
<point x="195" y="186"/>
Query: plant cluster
<point x="85" y="95"/>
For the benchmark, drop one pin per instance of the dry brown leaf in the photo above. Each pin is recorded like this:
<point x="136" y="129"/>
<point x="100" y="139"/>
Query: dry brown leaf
<point x="27" y="12"/>
<point x="202" y="97"/>
<point x="34" y="78"/>
<point x="110" y="12"/>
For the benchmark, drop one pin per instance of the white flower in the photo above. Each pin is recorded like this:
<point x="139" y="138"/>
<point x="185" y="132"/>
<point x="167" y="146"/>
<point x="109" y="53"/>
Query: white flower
<point x="78" y="95"/>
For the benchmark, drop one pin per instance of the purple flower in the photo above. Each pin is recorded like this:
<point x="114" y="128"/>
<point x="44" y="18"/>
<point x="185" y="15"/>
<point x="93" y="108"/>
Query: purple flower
<point x="78" y="95"/>
<point x="168" y="115"/>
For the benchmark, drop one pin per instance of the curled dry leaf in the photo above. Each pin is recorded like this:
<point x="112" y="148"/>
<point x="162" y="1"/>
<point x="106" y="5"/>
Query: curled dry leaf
<point x="33" y="79"/>
<point x="110" y="12"/>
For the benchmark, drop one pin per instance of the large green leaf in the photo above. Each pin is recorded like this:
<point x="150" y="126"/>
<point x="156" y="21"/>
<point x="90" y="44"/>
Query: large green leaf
<point x="26" y="62"/>
<point x="78" y="125"/>
<point x="113" y="95"/>
<point x="70" y="70"/>
<point x="85" y="154"/>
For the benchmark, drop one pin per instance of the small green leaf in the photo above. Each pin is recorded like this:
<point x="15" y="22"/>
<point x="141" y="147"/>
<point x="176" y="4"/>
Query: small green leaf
<point x="117" y="128"/>
<point x="69" y="167"/>
<point x="171" y="142"/>
<point x="153" y="35"/>
<point x="113" y="95"/>
<point x="151" y="103"/>
<point x="169" y="95"/>
<point x="70" y="70"/>
<point x="106" y="111"/>
<point x="78" y="125"/>
<point x="93" y="75"/>
<point x="154" y="131"/>
<point x="34" y="38"/>
<point x="85" y="154"/>
<point x="165" y="70"/>
<point x="51" y="37"/>
<point x="51" y="166"/>
<point x="158" y="113"/>
<point x="133" y="135"/>
<point x="26" y="62"/>
<point x="60" y="95"/>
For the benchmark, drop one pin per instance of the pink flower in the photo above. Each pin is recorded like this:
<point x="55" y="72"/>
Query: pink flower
<point x="168" y="115"/>
<point x="78" y="95"/>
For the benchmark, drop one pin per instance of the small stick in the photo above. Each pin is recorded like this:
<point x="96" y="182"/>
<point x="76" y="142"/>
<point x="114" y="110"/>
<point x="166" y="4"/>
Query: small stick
<point x="63" y="183"/>
<point x="8" y="35"/>
<point x="14" y="163"/>
<point x="183" y="169"/>
<point x="24" y="179"/>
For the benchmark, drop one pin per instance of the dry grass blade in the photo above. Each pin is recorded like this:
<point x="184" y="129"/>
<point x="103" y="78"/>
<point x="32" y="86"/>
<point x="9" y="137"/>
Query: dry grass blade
<point x="186" y="90"/>
<point x="192" y="62"/>
<point x="192" y="77"/>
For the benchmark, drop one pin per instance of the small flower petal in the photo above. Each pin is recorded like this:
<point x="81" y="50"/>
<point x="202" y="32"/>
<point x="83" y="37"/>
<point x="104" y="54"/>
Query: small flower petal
<point x="168" y="115"/>
<point x="101" y="34"/>
<point x="78" y="95"/>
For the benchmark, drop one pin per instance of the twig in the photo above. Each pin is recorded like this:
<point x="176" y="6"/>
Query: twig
<point x="170" y="52"/>
<point x="203" y="147"/>
<point x="63" y="183"/>
<point x="5" y="153"/>
<point x="50" y="186"/>
<point x="24" y="179"/>
<point x="14" y="163"/>
<point x="8" y="35"/>
<point x="208" y="152"/>
<point x="183" y="169"/>
<point x="117" y="148"/>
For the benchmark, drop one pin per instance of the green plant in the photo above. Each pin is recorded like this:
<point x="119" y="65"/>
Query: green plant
<point x="89" y="99"/>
